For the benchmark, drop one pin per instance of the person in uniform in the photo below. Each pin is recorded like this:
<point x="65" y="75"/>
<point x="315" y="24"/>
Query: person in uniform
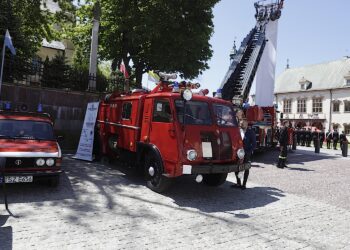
<point x="329" y="138"/>
<point x="342" y="139"/>
<point x="308" y="137"/>
<point x="283" y="140"/>
<point x="302" y="137"/>
<point x="335" y="139"/>
<point x="249" y="144"/>
<point x="297" y="131"/>
<point x="322" y="137"/>
<point x="315" y="136"/>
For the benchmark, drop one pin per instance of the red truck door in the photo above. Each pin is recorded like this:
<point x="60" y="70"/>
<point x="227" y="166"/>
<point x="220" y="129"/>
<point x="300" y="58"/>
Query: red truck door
<point x="163" y="134"/>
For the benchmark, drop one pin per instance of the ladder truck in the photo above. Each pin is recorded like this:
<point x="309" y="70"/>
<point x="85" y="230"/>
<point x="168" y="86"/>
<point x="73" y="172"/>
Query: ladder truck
<point x="245" y="63"/>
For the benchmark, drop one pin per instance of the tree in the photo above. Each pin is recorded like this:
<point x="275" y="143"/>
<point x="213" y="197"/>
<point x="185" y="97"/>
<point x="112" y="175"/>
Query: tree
<point x="171" y="36"/>
<point x="29" y="22"/>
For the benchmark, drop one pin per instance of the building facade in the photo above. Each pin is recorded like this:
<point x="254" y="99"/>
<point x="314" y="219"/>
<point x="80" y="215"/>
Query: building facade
<point x="316" y="96"/>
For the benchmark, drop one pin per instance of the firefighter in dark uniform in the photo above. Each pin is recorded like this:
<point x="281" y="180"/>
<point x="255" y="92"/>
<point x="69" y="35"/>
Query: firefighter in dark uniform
<point x="308" y="137"/>
<point x="335" y="138"/>
<point x="302" y="137"/>
<point x="283" y="140"/>
<point x="342" y="139"/>
<point x="329" y="138"/>
<point x="298" y="132"/>
<point x="315" y="136"/>
<point x="322" y="136"/>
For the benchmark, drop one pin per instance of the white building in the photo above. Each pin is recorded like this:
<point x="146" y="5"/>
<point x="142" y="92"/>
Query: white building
<point x="316" y="95"/>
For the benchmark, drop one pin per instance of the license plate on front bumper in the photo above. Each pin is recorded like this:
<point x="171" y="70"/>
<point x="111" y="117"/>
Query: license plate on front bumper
<point x="17" y="179"/>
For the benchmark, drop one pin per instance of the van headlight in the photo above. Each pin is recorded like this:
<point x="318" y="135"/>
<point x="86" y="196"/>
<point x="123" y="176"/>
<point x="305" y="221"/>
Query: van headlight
<point x="240" y="153"/>
<point x="40" y="162"/>
<point x="50" y="162"/>
<point x="191" y="155"/>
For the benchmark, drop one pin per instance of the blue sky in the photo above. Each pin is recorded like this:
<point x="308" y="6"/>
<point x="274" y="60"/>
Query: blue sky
<point x="310" y="32"/>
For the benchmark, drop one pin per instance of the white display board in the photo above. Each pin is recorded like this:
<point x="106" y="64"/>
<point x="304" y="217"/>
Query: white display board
<point x="264" y="82"/>
<point x="86" y="142"/>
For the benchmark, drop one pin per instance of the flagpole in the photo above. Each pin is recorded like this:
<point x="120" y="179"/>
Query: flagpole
<point x="2" y="66"/>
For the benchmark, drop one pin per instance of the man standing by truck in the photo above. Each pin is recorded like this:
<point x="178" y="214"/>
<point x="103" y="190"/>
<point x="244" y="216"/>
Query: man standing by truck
<point x="249" y="144"/>
<point x="283" y="146"/>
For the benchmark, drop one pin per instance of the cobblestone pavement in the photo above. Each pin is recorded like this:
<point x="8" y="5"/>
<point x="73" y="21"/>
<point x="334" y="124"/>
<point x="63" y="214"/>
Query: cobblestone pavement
<point x="305" y="206"/>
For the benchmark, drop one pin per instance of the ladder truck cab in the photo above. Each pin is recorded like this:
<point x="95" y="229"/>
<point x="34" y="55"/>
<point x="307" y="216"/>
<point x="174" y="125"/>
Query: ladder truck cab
<point x="172" y="131"/>
<point x="244" y="68"/>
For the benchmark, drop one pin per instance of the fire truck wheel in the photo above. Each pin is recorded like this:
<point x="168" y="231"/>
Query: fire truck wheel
<point x="54" y="181"/>
<point x="156" y="181"/>
<point x="214" y="179"/>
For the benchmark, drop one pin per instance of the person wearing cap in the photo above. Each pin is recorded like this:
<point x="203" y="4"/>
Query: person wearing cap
<point x="335" y="139"/>
<point x="283" y="146"/>
<point x="342" y="139"/>
<point x="329" y="138"/>
<point x="249" y="144"/>
<point x="322" y="137"/>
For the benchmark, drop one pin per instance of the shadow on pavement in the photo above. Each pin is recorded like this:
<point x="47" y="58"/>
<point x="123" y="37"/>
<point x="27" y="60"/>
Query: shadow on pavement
<point x="298" y="157"/>
<point x="38" y="191"/>
<point x="5" y="234"/>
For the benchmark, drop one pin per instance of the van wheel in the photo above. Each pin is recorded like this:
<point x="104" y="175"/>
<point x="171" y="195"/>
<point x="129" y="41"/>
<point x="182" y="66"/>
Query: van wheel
<point x="214" y="179"/>
<point x="156" y="181"/>
<point x="54" y="181"/>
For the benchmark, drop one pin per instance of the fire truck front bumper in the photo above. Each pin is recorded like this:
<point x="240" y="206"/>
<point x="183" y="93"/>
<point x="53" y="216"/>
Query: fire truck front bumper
<point x="215" y="168"/>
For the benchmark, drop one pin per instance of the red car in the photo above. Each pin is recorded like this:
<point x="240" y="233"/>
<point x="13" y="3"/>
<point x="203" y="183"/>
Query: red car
<point x="28" y="148"/>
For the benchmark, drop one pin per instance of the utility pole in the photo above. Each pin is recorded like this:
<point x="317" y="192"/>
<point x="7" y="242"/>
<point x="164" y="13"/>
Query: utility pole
<point x="94" y="46"/>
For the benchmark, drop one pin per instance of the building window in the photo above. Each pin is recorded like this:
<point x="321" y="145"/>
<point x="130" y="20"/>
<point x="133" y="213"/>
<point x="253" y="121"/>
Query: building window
<point x="346" y="106"/>
<point x="317" y="105"/>
<point x="336" y="106"/>
<point x="347" y="129"/>
<point x="287" y="106"/>
<point x="347" y="82"/>
<point x="302" y="106"/>
<point x="302" y="86"/>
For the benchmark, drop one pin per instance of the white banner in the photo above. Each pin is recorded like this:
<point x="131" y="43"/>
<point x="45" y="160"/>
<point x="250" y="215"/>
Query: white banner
<point x="264" y="81"/>
<point x="86" y="142"/>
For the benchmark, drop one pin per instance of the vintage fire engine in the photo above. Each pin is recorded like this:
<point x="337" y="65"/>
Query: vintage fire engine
<point x="170" y="132"/>
<point x="28" y="148"/>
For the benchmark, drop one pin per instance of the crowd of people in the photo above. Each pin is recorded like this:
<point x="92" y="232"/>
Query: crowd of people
<point x="310" y="137"/>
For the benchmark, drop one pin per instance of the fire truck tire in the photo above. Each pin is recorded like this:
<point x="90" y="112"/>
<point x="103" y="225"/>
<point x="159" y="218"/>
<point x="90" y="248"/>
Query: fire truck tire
<point x="214" y="179"/>
<point x="54" y="181"/>
<point x="156" y="182"/>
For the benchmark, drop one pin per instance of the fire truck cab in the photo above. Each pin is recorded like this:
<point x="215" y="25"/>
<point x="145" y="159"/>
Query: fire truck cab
<point x="171" y="131"/>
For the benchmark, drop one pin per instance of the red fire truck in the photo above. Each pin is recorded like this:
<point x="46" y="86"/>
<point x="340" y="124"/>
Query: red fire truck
<point x="28" y="148"/>
<point x="171" y="131"/>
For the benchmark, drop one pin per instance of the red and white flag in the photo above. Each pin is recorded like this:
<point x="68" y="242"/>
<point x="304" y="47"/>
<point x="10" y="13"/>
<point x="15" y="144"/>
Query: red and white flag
<point x="122" y="69"/>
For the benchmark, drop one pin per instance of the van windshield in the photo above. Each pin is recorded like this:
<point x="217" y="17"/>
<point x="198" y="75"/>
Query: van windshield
<point x="32" y="130"/>
<point x="197" y="113"/>
<point x="224" y="115"/>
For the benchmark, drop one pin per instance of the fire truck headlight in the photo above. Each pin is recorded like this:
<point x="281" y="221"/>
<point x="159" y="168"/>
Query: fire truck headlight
<point x="187" y="95"/>
<point x="191" y="155"/>
<point x="40" y="162"/>
<point x="50" y="162"/>
<point x="240" y="153"/>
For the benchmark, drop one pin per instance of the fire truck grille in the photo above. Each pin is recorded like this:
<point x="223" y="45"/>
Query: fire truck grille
<point x="221" y="145"/>
<point x="20" y="163"/>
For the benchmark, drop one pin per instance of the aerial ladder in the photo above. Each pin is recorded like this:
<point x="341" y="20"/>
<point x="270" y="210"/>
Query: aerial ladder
<point x="244" y="64"/>
<point x="244" y="61"/>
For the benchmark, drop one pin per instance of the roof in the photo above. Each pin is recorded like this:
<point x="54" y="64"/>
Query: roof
<point x="327" y="75"/>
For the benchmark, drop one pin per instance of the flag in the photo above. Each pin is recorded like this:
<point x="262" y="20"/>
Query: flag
<point x="8" y="43"/>
<point x="122" y="69"/>
<point x="153" y="77"/>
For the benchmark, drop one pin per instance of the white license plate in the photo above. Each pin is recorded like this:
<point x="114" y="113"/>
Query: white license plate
<point x="18" y="179"/>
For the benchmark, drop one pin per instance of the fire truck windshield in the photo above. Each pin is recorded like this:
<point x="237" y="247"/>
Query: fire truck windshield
<point x="20" y="129"/>
<point x="197" y="113"/>
<point x="225" y="116"/>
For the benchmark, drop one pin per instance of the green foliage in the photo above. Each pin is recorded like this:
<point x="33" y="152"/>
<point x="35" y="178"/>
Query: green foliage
<point x="171" y="36"/>
<point x="29" y="22"/>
